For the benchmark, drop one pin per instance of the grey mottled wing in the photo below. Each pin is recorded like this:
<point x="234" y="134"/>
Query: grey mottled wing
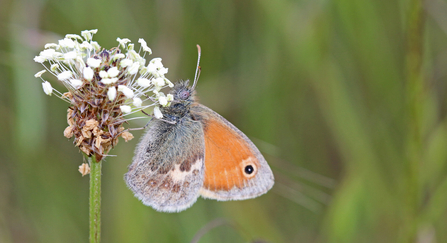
<point x="168" y="167"/>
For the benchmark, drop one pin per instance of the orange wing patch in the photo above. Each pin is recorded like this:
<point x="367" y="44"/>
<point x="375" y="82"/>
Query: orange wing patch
<point x="229" y="161"/>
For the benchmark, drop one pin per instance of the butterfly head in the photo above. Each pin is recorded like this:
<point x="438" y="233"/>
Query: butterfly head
<point x="183" y="93"/>
<point x="183" y="98"/>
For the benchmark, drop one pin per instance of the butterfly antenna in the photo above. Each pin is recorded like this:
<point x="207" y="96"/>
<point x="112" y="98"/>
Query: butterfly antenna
<point x="198" y="69"/>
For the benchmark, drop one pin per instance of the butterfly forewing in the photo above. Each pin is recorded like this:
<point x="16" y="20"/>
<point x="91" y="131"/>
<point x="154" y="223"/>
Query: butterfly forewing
<point x="234" y="167"/>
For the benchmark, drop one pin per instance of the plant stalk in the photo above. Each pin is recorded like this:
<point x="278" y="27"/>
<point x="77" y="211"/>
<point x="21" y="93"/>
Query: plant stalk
<point x="416" y="94"/>
<point x="95" y="200"/>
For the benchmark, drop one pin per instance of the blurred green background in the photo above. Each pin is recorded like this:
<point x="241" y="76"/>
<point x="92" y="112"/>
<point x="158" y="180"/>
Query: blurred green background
<point x="346" y="100"/>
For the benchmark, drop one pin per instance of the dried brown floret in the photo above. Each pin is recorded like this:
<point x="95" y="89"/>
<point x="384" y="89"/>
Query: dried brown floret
<point x="84" y="169"/>
<point x="127" y="136"/>
<point x="68" y="132"/>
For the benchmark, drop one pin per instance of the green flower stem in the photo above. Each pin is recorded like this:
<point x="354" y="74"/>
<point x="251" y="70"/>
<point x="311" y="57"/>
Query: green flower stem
<point x="95" y="200"/>
<point x="416" y="95"/>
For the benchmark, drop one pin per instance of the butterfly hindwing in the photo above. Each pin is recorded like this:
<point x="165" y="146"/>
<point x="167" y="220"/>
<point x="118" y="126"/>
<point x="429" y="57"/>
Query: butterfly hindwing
<point x="168" y="167"/>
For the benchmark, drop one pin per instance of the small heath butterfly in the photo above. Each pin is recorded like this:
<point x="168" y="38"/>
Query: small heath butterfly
<point x="193" y="151"/>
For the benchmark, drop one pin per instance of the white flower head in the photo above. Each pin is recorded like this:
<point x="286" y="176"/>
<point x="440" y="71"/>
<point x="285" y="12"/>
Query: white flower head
<point x="47" y="88"/>
<point x="163" y="100"/>
<point x="51" y="45"/>
<point x="54" y="67"/>
<point x="137" y="102"/>
<point x="64" y="75"/>
<point x="126" y="63"/>
<point x="143" y="82"/>
<point x="86" y="46"/>
<point x="70" y="55"/>
<point x="80" y="61"/>
<point x="95" y="45"/>
<point x="113" y="79"/>
<point x="170" y="84"/>
<point x="88" y="34"/>
<point x="155" y="64"/>
<point x="73" y="36"/>
<point x="118" y="56"/>
<point x="143" y="71"/>
<point x="94" y="63"/>
<point x="134" y="68"/>
<point x="113" y="72"/>
<point x="88" y="73"/>
<point x="47" y="54"/>
<point x="103" y="74"/>
<point x="133" y="55"/>
<point x="109" y="80"/>
<point x="162" y="71"/>
<point x="126" y="91"/>
<point x="144" y="46"/>
<point x="158" y="82"/>
<point x="39" y="74"/>
<point x="39" y="59"/>
<point x="126" y="109"/>
<point x="76" y="83"/>
<point x="111" y="93"/>
<point x="66" y="42"/>
<point x="123" y="42"/>
<point x="157" y="112"/>
<point x="156" y="68"/>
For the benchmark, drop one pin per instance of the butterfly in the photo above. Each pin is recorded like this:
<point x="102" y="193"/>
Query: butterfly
<point x="193" y="151"/>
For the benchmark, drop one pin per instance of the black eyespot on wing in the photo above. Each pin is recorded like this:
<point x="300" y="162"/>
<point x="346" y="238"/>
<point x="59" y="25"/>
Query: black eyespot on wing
<point x="249" y="169"/>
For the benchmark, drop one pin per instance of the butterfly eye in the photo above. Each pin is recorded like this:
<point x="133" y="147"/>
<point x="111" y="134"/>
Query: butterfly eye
<point x="184" y="94"/>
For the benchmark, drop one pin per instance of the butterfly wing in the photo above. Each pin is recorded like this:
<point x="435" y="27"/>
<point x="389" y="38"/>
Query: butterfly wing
<point x="234" y="167"/>
<point x="168" y="167"/>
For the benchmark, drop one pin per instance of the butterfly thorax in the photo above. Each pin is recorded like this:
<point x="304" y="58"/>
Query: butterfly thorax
<point x="180" y="106"/>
